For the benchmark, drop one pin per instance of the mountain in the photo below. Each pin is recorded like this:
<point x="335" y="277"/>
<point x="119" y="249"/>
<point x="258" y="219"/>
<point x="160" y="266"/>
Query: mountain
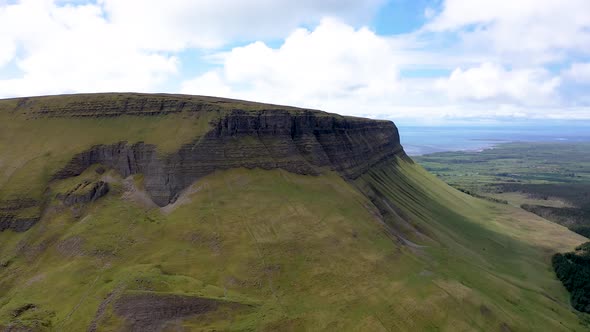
<point x="148" y="212"/>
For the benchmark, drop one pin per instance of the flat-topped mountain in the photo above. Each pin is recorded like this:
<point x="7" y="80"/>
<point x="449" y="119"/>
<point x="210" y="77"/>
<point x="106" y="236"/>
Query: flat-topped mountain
<point x="228" y="134"/>
<point x="155" y="212"/>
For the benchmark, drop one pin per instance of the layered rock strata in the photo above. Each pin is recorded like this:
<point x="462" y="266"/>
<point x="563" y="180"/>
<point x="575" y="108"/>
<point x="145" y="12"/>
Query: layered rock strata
<point x="85" y="192"/>
<point x="11" y="214"/>
<point x="301" y="142"/>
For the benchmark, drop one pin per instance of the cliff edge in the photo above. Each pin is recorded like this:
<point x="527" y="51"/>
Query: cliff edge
<point x="238" y="134"/>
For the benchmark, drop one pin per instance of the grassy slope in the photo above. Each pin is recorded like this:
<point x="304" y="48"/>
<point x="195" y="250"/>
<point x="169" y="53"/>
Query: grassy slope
<point x="496" y="256"/>
<point x="31" y="150"/>
<point x="303" y="252"/>
<point x="306" y="252"/>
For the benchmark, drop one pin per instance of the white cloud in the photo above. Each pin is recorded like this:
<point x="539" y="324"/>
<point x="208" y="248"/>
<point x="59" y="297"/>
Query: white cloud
<point x="354" y="71"/>
<point x="209" y="84"/>
<point x="523" y="30"/>
<point x="112" y="45"/>
<point x="473" y="59"/>
<point x="493" y="82"/>
<point x="176" y="24"/>
<point x="579" y="72"/>
<point x="74" y="49"/>
<point x="312" y="68"/>
<point x="429" y="12"/>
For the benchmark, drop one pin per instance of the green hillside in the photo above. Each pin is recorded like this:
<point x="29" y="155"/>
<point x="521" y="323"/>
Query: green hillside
<point x="381" y="246"/>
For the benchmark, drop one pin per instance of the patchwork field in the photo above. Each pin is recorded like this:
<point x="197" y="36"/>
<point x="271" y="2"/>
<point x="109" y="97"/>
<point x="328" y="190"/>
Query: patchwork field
<point x="549" y="179"/>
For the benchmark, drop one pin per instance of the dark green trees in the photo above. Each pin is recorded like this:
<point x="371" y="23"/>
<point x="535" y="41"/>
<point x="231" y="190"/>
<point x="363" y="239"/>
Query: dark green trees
<point x="573" y="269"/>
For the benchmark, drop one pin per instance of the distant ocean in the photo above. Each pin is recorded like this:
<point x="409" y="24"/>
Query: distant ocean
<point x="424" y="140"/>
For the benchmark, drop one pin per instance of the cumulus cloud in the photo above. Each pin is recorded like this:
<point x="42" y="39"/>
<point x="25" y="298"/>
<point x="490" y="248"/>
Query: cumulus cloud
<point x="341" y="69"/>
<point x="471" y="59"/>
<point x="332" y="61"/>
<point x="493" y="82"/>
<point x="73" y="49"/>
<point x="112" y="45"/>
<point x="523" y="30"/>
<point x="579" y="72"/>
<point x="312" y="68"/>
<point x="176" y="24"/>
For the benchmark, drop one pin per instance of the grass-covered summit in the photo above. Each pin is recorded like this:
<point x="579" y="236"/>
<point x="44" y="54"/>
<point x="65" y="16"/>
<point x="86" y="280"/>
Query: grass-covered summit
<point x="164" y="212"/>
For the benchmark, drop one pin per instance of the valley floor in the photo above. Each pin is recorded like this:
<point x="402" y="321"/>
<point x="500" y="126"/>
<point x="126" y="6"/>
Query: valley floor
<point x="549" y="179"/>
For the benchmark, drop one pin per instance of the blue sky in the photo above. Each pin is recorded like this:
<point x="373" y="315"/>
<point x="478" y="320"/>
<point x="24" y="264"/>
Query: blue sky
<point x="434" y="62"/>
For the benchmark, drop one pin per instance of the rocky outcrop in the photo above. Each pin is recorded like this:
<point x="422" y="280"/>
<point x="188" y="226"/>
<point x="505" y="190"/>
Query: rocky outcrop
<point x="150" y="311"/>
<point x="302" y="142"/>
<point x="16" y="224"/>
<point x="11" y="215"/>
<point x="84" y="192"/>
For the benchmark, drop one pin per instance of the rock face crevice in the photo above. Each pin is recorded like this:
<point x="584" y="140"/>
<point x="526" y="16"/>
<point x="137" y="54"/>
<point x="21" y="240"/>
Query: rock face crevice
<point x="10" y="218"/>
<point x="85" y="192"/>
<point x="299" y="142"/>
<point x="16" y="224"/>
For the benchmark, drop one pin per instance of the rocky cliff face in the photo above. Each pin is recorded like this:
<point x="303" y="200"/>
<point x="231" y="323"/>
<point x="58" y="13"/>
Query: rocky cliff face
<point x="85" y="192"/>
<point x="11" y="218"/>
<point x="302" y="142"/>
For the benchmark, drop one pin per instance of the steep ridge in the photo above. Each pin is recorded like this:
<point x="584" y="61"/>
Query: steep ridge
<point x="273" y="139"/>
<point x="291" y="219"/>
<point x="296" y="140"/>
